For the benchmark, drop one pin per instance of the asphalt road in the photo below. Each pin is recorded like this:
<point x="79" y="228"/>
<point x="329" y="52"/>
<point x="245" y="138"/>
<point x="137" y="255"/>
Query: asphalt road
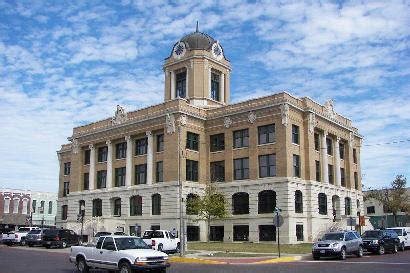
<point x="17" y="260"/>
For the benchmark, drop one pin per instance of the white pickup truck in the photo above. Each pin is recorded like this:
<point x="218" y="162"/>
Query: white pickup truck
<point x="162" y="240"/>
<point x="17" y="237"/>
<point x="124" y="253"/>
<point x="404" y="236"/>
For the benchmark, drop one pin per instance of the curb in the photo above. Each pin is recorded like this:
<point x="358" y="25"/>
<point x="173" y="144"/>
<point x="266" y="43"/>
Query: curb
<point x="280" y="260"/>
<point x="208" y="261"/>
<point x="193" y="260"/>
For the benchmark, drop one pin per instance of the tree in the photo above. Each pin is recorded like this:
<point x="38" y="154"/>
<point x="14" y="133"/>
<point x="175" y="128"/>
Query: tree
<point x="211" y="206"/>
<point x="394" y="198"/>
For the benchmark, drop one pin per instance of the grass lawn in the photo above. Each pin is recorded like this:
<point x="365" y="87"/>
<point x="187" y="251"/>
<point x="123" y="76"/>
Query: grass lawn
<point x="250" y="247"/>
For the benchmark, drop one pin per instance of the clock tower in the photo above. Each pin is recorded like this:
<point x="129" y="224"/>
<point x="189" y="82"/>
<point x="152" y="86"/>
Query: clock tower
<point x="198" y="71"/>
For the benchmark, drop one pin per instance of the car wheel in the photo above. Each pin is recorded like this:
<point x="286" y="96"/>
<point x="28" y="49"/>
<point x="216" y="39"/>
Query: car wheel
<point x="82" y="266"/>
<point x="360" y="252"/>
<point x="343" y="254"/>
<point x="395" y="249"/>
<point x="23" y="242"/>
<point x="30" y="245"/>
<point x="64" y="244"/>
<point x="380" y="250"/>
<point x="160" y="247"/>
<point x="178" y="249"/>
<point x="47" y="246"/>
<point x="125" y="268"/>
<point x="402" y="247"/>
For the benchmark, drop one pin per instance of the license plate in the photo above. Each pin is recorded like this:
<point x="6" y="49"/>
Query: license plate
<point x="323" y="251"/>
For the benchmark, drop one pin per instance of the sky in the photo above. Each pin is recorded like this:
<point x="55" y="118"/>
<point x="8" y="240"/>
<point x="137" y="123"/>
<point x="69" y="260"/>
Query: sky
<point x="64" y="64"/>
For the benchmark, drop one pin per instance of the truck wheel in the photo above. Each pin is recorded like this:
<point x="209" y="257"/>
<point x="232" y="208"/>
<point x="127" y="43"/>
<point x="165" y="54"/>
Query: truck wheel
<point x="63" y="244"/>
<point x="380" y="251"/>
<point x="360" y="252"/>
<point x="125" y="268"/>
<point x="23" y="242"/>
<point x="160" y="247"/>
<point x="82" y="266"/>
<point x="316" y="258"/>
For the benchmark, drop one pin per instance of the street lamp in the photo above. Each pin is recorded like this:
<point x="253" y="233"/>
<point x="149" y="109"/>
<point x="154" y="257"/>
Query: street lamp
<point x="82" y="212"/>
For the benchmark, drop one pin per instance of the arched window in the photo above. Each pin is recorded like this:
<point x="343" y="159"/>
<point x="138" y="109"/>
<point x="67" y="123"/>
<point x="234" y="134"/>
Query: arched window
<point x="191" y="204"/>
<point x="322" y="200"/>
<point x="240" y="203"/>
<point x="116" y="206"/>
<point x="97" y="207"/>
<point x="16" y="202"/>
<point x="348" y="206"/>
<point x="34" y="206"/>
<point x="42" y="204"/>
<point x="135" y="205"/>
<point x="50" y="207"/>
<point x="298" y="202"/>
<point x="156" y="204"/>
<point x="266" y="201"/>
<point x="6" y="205"/>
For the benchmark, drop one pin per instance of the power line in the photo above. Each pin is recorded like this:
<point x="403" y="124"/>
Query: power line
<point x="387" y="143"/>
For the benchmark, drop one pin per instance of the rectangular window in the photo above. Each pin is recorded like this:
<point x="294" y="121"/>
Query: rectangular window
<point x="356" y="180"/>
<point x="296" y="165"/>
<point x="87" y="156"/>
<point x="241" y="233"/>
<point x="120" y="177"/>
<point x="371" y="210"/>
<point x="218" y="171"/>
<point x="101" y="179"/>
<point x="317" y="142"/>
<point x="267" y="233"/>
<point x="241" y="138"/>
<point x="64" y="210"/>
<point x="266" y="134"/>
<point x="267" y="165"/>
<point x="215" y="79"/>
<point x="342" y="177"/>
<point x="329" y="146"/>
<point x="67" y="168"/>
<point x="299" y="233"/>
<point x="295" y="134"/>
<point x="102" y="154"/>
<point x="34" y="205"/>
<point x="192" y="141"/>
<point x="7" y="205"/>
<point x="217" y="142"/>
<point x="331" y="176"/>
<point x="191" y="170"/>
<point x="141" y="174"/>
<point x="117" y="207"/>
<point x="354" y="156"/>
<point x="121" y="150"/>
<point x="141" y="146"/>
<point x="181" y="84"/>
<point x="160" y="171"/>
<point x="317" y="165"/>
<point x="86" y="181"/>
<point x="342" y="150"/>
<point x="160" y="143"/>
<point x="241" y="168"/>
<point x="66" y="189"/>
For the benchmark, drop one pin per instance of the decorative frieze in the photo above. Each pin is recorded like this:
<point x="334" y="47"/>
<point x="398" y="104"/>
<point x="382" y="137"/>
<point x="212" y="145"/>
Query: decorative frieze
<point x="170" y="123"/>
<point x="328" y="109"/>
<point x="227" y="122"/>
<point x="284" y="113"/>
<point x="251" y="117"/>
<point x="120" y="116"/>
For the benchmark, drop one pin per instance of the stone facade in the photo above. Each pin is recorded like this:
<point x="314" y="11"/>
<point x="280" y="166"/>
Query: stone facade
<point x="14" y="208"/>
<point x="304" y="132"/>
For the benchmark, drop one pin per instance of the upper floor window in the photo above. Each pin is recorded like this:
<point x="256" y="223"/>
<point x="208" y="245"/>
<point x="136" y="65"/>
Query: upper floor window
<point x="266" y="134"/>
<point x="267" y="165"/>
<point x="33" y="206"/>
<point x="156" y="204"/>
<point x="86" y="181"/>
<point x="101" y="179"/>
<point x="97" y="207"/>
<point x="42" y="204"/>
<point x="217" y="142"/>
<point x="16" y="202"/>
<point x="160" y="171"/>
<point x="295" y="134"/>
<point x="50" y="207"/>
<point x="120" y="177"/>
<point x="181" y="84"/>
<point x="215" y="83"/>
<point x="317" y="165"/>
<point x="331" y="175"/>
<point x="342" y="150"/>
<point x="241" y="168"/>
<point x="329" y="146"/>
<point x="191" y="170"/>
<point x="121" y="150"/>
<point x="296" y="165"/>
<point x="141" y="174"/>
<point x="66" y="189"/>
<point x="160" y="143"/>
<point x="218" y="171"/>
<point x="67" y="168"/>
<point x="87" y="157"/>
<point x="102" y="154"/>
<point x="64" y="210"/>
<point x="7" y="205"/>
<point x="241" y="138"/>
<point x="348" y="206"/>
<point x="298" y="202"/>
<point x="317" y="142"/>
<point x="322" y="200"/>
<point x="356" y="180"/>
<point x="192" y="141"/>
<point x="141" y="146"/>
<point x="354" y="156"/>
<point x="266" y="201"/>
<point x="240" y="203"/>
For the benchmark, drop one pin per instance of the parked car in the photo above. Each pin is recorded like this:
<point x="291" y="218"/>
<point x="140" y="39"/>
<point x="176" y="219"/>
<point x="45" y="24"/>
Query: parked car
<point x="338" y="244"/>
<point x="404" y="235"/>
<point x="17" y="237"/>
<point x="98" y="235"/>
<point x="35" y="237"/>
<point x="380" y="241"/>
<point x="60" y="238"/>
<point x="161" y="240"/>
<point x="126" y="253"/>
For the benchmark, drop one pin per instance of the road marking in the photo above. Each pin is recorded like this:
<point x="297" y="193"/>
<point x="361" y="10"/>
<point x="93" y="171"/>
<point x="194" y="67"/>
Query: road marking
<point x="345" y="262"/>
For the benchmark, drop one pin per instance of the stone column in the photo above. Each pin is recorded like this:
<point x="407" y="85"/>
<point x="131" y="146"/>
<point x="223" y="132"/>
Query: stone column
<point x="222" y="87"/>
<point x="109" y="164"/>
<point x="92" y="168"/>
<point x="150" y="157"/>
<point x="338" y="181"/>
<point x="172" y="78"/>
<point x="128" y="163"/>
<point x="325" y="171"/>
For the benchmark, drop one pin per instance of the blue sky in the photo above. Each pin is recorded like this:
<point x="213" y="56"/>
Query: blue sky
<point x="63" y="65"/>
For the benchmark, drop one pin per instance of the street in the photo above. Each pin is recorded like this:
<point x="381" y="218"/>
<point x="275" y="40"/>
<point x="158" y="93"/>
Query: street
<point x="17" y="260"/>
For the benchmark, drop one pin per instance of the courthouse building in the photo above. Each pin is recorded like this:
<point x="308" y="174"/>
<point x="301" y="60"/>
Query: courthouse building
<point x="274" y="151"/>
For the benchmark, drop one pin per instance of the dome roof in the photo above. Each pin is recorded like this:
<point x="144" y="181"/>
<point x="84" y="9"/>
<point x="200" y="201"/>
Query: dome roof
<point x="198" y="40"/>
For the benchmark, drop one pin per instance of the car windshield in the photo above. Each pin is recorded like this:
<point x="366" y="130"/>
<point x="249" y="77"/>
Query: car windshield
<point x="99" y="234"/>
<point x="23" y="229"/>
<point x="333" y="237"/>
<point x="152" y="234"/>
<point x="371" y="234"/>
<point x="398" y="231"/>
<point x="37" y="231"/>
<point x="51" y="232"/>
<point x="130" y="243"/>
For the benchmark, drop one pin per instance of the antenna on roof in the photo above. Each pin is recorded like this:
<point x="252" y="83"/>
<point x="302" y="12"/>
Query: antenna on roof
<point x="197" y="26"/>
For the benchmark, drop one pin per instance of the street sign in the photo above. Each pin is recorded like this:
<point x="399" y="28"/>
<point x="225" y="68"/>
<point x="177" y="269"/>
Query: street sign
<point x="276" y="219"/>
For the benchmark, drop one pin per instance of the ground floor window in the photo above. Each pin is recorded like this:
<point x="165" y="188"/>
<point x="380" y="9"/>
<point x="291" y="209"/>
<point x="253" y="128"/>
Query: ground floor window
<point x="192" y="233"/>
<point x="241" y="233"/>
<point x="155" y="227"/>
<point x="216" y="233"/>
<point x="267" y="233"/>
<point x="135" y="231"/>
<point x="299" y="233"/>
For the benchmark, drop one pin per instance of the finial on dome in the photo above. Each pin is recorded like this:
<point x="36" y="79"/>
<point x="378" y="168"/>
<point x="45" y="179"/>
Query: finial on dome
<point x="197" y="26"/>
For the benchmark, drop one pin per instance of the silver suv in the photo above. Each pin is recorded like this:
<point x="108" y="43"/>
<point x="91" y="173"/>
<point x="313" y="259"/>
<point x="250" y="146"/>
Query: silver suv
<point x="338" y="244"/>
